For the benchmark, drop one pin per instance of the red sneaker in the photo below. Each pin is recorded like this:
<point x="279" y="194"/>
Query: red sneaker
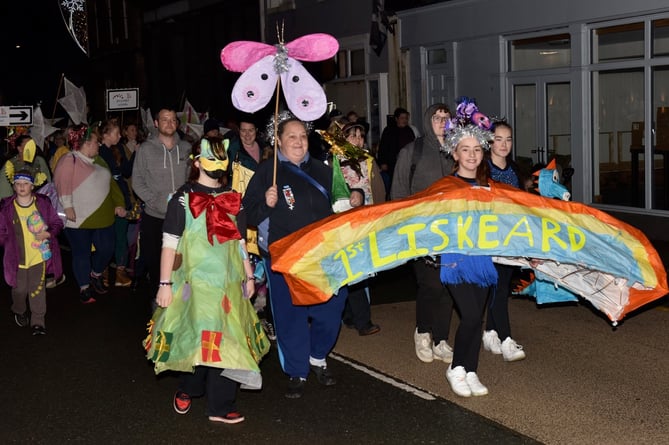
<point x="182" y="402"/>
<point x="231" y="417"/>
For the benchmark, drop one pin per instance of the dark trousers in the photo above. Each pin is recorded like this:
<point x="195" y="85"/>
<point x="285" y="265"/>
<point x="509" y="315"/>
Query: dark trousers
<point x="498" y="306"/>
<point x="303" y="331"/>
<point x="151" y="242"/>
<point x="434" y="304"/>
<point x="83" y="260"/>
<point x="30" y="287"/>
<point x="357" y="311"/>
<point x="221" y="392"/>
<point x="470" y="300"/>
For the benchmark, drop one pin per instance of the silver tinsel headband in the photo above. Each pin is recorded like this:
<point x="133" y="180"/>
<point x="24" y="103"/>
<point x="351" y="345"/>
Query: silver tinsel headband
<point x="468" y="122"/>
<point x="283" y="115"/>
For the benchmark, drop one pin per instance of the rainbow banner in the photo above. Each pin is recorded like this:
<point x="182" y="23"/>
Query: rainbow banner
<point x="586" y="251"/>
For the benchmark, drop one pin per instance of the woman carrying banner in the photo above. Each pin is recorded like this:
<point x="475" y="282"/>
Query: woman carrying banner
<point x="299" y="196"/>
<point x="497" y="335"/>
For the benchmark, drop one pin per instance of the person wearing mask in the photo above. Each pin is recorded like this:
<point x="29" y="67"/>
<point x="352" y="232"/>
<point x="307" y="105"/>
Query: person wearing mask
<point x="205" y="282"/>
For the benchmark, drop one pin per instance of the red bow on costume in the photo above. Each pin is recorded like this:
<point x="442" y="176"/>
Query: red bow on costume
<point x="218" y="208"/>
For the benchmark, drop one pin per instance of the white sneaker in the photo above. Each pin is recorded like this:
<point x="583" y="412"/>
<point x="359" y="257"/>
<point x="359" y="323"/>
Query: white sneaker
<point x="457" y="378"/>
<point x="443" y="352"/>
<point x="423" y="346"/>
<point x="491" y="342"/>
<point x="475" y="385"/>
<point x="512" y="351"/>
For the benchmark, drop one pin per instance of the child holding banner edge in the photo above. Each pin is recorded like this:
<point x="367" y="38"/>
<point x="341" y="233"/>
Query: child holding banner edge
<point x="468" y="278"/>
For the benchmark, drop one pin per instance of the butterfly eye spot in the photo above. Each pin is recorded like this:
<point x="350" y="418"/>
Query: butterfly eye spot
<point x="296" y="79"/>
<point x="305" y="103"/>
<point x="250" y="93"/>
<point x="264" y="76"/>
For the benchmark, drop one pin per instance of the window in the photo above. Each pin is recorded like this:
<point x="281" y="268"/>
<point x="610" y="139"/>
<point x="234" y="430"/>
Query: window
<point x="661" y="37"/>
<point x="351" y="62"/>
<point x="436" y="56"/>
<point x="631" y="133"/>
<point x="617" y="42"/>
<point x="279" y="5"/>
<point x="540" y="52"/>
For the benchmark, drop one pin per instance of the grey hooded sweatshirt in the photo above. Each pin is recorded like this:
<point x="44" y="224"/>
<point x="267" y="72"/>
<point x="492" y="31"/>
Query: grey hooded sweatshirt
<point x="430" y="166"/>
<point x="158" y="172"/>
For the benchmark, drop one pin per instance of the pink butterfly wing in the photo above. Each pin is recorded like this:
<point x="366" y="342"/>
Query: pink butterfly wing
<point x="313" y="47"/>
<point x="255" y="86"/>
<point x="239" y="56"/>
<point x="304" y="96"/>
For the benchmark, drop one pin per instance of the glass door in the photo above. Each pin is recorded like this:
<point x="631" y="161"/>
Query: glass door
<point x="542" y="121"/>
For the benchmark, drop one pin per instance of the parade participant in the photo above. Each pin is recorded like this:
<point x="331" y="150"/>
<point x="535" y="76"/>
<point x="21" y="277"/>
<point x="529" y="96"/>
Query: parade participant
<point x="121" y="168"/>
<point x="497" y="335"/>
<point x="23" y="159"/>
<point x="419" y="165"/>
<point x="205" y="327"/>
<point x="360" y="171"/>
<point x="29" y="226"/>
<point x="91" y="199"/>
<point x="246" y="151"/>
<point x="300" y="196"/>
<point x="160" y="168"/>
<point x="469" y="278"/>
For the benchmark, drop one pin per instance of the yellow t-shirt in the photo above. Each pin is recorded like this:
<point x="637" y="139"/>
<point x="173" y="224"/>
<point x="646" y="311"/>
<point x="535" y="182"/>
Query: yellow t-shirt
<point x="31" y="245"/>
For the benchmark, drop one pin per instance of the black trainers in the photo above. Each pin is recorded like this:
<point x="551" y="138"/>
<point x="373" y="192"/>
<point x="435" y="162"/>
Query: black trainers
<point x="182" y="402"/>
<point x="98" y="285"/>
<point x="39" y="330"/>
<point x="86" y="296"/>
<point x="21" y="320"/>
<point x="295" y="387"/>
<point x="370" y="329"/>
<point x="323" y="375"/>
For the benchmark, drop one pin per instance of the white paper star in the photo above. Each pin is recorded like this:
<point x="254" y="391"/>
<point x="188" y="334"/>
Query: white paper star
<point x="40" y="129"/>
<point x="74" y="102"/>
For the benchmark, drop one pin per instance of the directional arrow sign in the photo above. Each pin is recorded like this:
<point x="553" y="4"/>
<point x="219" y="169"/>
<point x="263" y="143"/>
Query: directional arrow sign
<point x="10" y="116"/>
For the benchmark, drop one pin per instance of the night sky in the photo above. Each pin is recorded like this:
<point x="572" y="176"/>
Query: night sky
<point x="31" y="73"/>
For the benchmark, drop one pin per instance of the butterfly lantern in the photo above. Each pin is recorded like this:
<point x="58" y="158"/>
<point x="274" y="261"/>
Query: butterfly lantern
<point x="264" y="67"/>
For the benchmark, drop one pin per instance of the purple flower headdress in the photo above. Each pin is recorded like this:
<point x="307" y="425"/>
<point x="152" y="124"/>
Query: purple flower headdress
<point x="468" y="122"/>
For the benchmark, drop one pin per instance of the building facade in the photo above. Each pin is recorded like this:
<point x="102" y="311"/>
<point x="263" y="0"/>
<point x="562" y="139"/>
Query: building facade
<point x="580" y="82"/>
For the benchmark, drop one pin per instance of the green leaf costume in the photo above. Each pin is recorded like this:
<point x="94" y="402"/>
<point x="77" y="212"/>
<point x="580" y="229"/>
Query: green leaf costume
<point x="209" y="322"/>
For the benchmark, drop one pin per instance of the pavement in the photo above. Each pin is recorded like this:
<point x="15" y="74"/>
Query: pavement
<point x="583" y="382"/>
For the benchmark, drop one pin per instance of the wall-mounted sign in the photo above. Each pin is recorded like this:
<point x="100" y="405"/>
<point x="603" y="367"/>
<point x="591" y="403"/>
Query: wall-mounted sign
<point x="126" y="99"/>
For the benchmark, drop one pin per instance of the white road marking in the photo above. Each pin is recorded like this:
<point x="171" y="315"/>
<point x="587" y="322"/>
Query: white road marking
<point x="384" y="378"/>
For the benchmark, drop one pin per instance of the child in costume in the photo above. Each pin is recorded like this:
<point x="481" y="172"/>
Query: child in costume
<point x="205" y="325"/>
<point x="29" y="226"/>
<point x="469" y="278"/>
